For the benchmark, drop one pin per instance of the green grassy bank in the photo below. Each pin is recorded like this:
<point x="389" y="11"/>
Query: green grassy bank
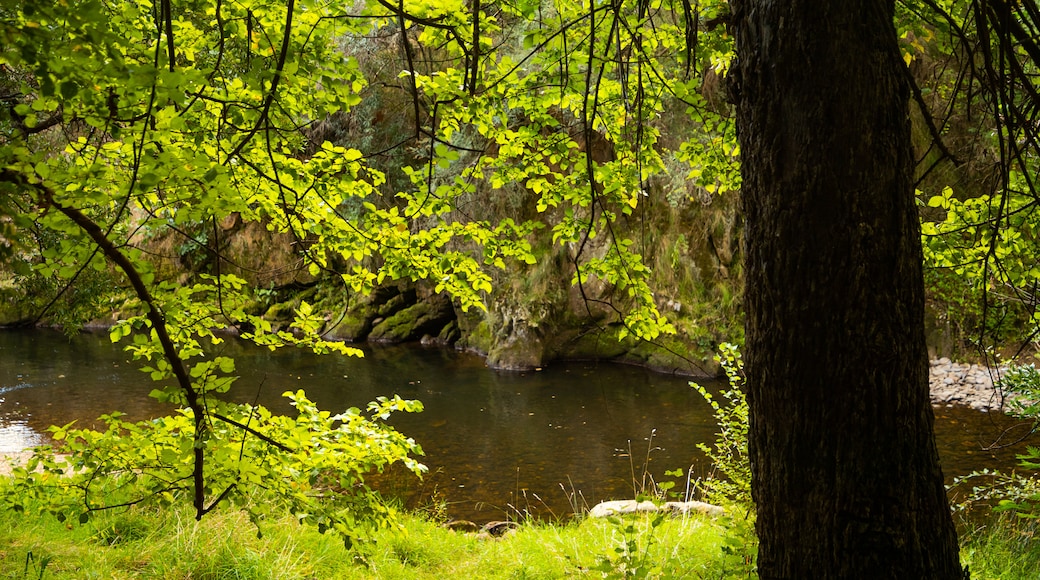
<point x="141" y="543"/>
<point x="146" y="543"/>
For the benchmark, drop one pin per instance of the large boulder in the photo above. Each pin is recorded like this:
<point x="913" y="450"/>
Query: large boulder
<point x="427" y="317"/>
<point x="360" y="317"/>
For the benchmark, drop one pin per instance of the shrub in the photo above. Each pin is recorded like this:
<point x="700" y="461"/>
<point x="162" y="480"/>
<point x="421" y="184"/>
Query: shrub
<point x="730" y="478"/>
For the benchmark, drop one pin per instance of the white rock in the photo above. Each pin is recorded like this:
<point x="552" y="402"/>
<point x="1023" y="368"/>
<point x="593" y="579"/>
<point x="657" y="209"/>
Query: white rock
<point x="624" y="506"/>
<point x="630" y="506"/>
<point x="685" y="507"/>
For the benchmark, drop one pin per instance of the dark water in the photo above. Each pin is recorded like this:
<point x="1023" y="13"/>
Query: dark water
<point x="494" y="442"/>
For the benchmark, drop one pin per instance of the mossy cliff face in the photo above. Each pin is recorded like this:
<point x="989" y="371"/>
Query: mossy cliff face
<point x="248" y="250"/>
<point x="535" y="315"/>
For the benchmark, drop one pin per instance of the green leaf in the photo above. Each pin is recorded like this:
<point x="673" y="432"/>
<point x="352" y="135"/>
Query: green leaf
<point x="69" y="89"/>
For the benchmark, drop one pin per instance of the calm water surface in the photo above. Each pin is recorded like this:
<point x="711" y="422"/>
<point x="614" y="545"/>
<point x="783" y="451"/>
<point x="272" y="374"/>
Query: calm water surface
<point x="494" y="441"/>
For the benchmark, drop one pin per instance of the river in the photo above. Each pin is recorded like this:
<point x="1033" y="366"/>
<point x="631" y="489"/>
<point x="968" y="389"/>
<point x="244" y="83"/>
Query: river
<point x="496" y="443"/>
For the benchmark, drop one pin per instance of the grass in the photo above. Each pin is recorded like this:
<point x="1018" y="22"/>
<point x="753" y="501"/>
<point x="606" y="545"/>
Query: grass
<point x="146" y="543"/>
<point x="143" y="543"/>
<point x="1002" y="546"/>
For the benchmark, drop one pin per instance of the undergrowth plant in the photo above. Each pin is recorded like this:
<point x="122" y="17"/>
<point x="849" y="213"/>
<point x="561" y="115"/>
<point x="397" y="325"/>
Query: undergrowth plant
<point x="631" y="553"/>
<point x="313" y="465"/>
<point x="729" y="481"/>
<point x="1003" y="547"/>
<point x="35" y="567"/>
<point x="1021" y="386"/>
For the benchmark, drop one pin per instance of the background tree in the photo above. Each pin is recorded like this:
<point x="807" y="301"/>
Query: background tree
<point x="846" y="476"/>
<point x="981" y="237"/>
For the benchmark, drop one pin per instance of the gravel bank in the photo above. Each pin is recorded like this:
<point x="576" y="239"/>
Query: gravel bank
<point x="969" y="385"/>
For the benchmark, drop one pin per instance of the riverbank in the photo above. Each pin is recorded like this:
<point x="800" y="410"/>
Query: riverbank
<point x="8" y="461"/>
<point x="146" y="543"/>
<point x="969" y="385"/>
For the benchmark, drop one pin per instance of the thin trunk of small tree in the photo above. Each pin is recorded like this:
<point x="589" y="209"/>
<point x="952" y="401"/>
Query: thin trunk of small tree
<point x="846" y="474"/>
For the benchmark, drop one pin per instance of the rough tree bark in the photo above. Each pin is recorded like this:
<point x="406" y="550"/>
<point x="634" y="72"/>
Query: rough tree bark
<point x="845" y="472"/>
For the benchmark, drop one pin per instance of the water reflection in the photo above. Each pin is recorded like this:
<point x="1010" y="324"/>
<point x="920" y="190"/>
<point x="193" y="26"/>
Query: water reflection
<point x="491" y="439"/>
<point x="17" y="435"/>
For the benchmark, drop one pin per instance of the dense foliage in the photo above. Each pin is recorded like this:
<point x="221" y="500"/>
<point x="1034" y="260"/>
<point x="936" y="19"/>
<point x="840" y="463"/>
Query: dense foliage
<point x="976" y="67"/>
<point x="128" y="120"/>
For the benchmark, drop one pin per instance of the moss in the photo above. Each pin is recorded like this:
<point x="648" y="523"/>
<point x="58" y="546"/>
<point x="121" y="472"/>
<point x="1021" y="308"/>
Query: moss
<point x="521" y="350"/>
<point x="12" y="308"/>
<point x="596" y="344"/>
<point x="427" y="317"/>
<point x="476" y="334"/>
<point x="449" y="334"/>
<point x="354" y="316"/>
<point x="281" y="312"/>
<point x="350" y="326"/>
<point x="394" y="304"/>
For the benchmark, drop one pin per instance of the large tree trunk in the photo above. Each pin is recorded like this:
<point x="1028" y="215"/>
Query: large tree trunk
<point x="845" y="472"/>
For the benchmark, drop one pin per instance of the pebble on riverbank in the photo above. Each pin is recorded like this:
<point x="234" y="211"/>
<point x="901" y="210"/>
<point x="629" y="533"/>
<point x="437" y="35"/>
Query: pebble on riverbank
<point x="970" y="385"/>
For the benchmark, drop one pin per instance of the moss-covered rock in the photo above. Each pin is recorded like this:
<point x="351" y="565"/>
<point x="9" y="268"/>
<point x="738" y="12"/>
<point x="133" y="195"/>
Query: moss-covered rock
<point x="428" y="316"/>
<point x="475" y="333"/>
<point x="597" y="343"/>
<point x="448" y="335"/>
<point x="357" y="315"/>
<point x="521" y="350"/>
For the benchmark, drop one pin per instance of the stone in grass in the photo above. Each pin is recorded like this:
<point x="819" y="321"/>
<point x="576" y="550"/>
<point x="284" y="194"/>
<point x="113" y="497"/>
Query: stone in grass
<point x="462" y="526"/>
<point x="631" y="506"/>
<point x="498" y="529"/>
